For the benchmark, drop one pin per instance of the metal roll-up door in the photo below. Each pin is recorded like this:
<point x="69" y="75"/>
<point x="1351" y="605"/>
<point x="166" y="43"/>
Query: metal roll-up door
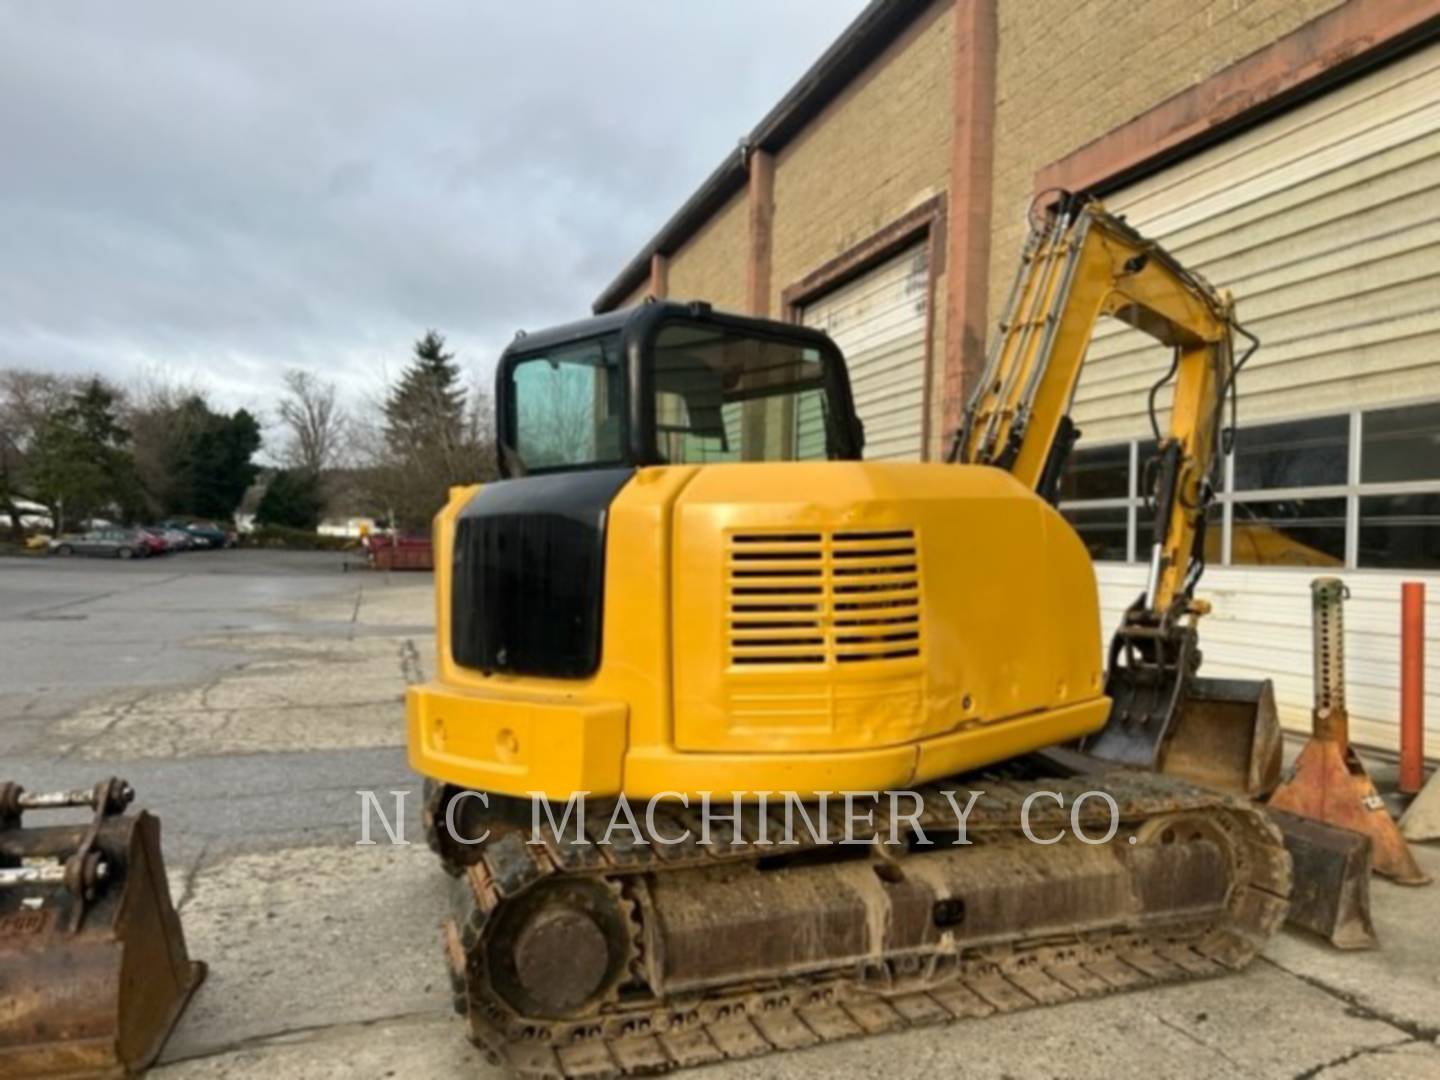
<point x="879" y="321"/>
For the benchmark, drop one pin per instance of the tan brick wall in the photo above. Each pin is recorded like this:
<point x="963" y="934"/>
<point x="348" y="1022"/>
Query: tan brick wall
<point x="1068" y="73"/>
<point x="711" y="264"/>
<point x="878" y="150"/>
<point x="636" y="297"/>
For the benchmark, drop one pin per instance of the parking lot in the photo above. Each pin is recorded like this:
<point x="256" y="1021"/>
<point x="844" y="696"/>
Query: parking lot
<point x="250" y="695"/>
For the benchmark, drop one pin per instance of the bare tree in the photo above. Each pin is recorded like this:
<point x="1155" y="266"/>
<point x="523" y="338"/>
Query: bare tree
<point x="156" y="416"/>
<point x="315" y="421"/>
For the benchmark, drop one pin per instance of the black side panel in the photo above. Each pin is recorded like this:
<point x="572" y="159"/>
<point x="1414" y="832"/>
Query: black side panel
<point x="529" y="574"/>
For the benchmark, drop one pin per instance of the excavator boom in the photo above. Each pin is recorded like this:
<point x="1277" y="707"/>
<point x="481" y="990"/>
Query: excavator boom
<point x="1080" y="265"/>
<point x="1083" y="265"/>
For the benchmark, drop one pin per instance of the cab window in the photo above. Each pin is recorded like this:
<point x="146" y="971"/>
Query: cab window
<point x="722" y="394"/>
<point x="566" y="406"/>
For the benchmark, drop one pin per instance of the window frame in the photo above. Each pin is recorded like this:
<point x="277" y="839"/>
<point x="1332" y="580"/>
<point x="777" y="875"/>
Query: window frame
<point x="1352" y="491"/>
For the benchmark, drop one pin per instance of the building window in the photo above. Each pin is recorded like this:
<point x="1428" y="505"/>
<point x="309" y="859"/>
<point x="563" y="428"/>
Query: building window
<point x="1288" y="532"/>
<point x="1102" y="473"/>
<point x="1352" y="490"/>
<point x="1401" y="445"/>
<point x="1105" y="530"/>
<point x="1400" y="531"/>
<point x="1295" y="454"/>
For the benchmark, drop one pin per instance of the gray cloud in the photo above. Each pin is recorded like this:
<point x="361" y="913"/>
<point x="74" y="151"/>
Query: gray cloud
<point x="226" y="190"/>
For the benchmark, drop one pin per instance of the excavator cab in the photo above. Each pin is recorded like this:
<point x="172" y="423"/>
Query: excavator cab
<point x="672" y="384"/>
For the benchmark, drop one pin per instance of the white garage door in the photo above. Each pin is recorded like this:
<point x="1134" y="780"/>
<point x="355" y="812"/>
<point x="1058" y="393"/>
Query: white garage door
<point x="1325" y="223"/>
<point x="879" y="321"/>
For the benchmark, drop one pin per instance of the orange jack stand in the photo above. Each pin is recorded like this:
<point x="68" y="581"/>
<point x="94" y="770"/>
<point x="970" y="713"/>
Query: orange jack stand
<point x="1329" y="782"/>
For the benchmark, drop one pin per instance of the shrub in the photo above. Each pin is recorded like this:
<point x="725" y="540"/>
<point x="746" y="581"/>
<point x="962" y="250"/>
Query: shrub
<point x="278" y="536"/>
<point x="292" y="500"/>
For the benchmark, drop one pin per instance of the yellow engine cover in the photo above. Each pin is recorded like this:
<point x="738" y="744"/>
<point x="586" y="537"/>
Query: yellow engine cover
<point x="815" y="626"/>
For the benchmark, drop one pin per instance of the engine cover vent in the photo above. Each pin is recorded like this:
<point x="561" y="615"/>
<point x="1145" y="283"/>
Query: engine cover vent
<point x="824" y="597"/>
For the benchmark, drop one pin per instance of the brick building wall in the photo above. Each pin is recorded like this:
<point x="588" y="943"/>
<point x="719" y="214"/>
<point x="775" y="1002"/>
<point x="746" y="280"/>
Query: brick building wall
<point x="711" y="265"/>
<point x="1065" y="75"/>
<point x="879" y="150"/>
<point x="1068" y="73"/>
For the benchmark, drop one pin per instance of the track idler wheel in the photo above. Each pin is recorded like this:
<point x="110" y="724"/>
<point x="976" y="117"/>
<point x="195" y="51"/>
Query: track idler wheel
<point x="469" y="822"/>
<point x="561" y="949"/>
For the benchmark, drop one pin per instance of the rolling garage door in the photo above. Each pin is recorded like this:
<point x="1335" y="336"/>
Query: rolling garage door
<point x="1325" y="224"/>
<point x="879" y="322"/>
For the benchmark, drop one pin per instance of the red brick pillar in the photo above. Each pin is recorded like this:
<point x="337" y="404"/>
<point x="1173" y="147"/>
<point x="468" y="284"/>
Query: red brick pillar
<point x="971" y="167"/>
<point x="659" y="276"/>
<point x="761" y="195"/>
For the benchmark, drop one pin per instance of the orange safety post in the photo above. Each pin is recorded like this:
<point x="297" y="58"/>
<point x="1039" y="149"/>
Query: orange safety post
<point x="1412" y="687"/>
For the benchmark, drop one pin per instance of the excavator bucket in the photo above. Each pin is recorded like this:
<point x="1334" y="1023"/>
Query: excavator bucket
<point x="1226" y="735"/>
<point x="93" y="967"/>
<point x="1221" y="733"/>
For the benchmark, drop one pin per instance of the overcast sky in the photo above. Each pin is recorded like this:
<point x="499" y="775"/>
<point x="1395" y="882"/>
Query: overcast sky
<point x="225" y="190"/>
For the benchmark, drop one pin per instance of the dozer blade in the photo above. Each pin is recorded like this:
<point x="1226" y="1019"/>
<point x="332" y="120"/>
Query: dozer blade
<point x="93" y="967"/>
<point x="1330" y="893"/>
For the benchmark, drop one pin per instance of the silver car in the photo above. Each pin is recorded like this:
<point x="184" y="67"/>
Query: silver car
<point x="114" y="542"/>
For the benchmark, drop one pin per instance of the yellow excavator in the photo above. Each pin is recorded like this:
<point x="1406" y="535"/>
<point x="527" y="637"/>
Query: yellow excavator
<point x="691" y="599"/>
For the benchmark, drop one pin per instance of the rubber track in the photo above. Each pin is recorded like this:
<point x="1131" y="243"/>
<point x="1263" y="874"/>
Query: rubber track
<point x="654" y="1036"/>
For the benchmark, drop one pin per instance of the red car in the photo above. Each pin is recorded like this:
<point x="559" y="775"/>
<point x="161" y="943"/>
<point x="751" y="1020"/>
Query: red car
<point x="155" y="543"/>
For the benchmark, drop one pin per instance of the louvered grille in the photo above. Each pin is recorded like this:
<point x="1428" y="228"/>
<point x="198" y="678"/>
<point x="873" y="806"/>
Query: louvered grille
<point x="815" y="598"/>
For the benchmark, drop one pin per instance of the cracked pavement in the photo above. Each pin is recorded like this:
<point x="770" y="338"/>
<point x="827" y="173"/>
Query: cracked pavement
<point x="249" y="695"/>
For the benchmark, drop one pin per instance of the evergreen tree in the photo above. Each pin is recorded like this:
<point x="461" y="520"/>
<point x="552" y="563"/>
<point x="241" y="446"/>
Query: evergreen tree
<point x="427" y="406"/>
<point x="82" y="465"/>
<point x="207" y="459"/>
<point x="292" y="499"/>
<point x="435" y="435"/>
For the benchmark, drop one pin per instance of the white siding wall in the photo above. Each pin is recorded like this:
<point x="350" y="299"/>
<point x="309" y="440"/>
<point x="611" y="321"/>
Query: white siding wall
<point x="879" y="322"/>
<point x="1260" y="629"/>
<point x="1325" y="223"/>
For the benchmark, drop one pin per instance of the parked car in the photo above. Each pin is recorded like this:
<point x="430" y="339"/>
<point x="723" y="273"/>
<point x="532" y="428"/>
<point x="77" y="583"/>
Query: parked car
<point x="203" y="533"/>
<point x="154" y="539"/>
<point x="178" y="539"/>
<point x="115" y="542"/>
